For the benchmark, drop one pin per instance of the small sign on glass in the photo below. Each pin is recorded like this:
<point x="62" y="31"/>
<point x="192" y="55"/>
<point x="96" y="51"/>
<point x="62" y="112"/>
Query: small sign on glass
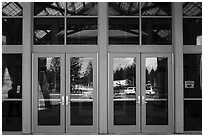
<point x="189" y="84"/>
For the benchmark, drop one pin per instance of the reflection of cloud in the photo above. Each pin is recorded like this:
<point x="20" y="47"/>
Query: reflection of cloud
<point x="151" y="63"/>
<point x="122" y="62"/>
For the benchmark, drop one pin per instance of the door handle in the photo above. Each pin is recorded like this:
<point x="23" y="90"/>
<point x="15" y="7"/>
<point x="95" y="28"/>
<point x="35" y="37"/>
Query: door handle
<point x="62" y="100"/>
<point x="143" y="100"/>
<point x="138" y="100"/>
<point x="67" y="101"/>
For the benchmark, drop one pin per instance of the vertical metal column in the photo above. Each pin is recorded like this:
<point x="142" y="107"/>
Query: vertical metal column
<point x="177" y="24"/>
<point x="103" y="66"/>
<point x="27" y="68"/>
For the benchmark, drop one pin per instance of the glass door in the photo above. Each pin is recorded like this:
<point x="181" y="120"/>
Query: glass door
<point x="124" y="93"/>
<point x="48" y="93"/>
<point x="157" y="93"/>
<point x="64" y="93"/>
<point x="140" y="93"/>
<point x="81" y="90"/>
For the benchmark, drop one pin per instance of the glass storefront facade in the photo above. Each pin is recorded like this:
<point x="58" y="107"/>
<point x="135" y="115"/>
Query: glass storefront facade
<point x="67" y="44"/>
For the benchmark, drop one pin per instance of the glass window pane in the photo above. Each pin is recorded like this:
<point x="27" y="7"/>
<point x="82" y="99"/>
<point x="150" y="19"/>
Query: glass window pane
<point x="48" y="31"/>
<point x="12" y="31"/>
<point x="156" y="31"/>
<point x="11" y="76"/>
<point x="49" y="90"/>
<point x="81" y="91"/>
<point x="49" y="8"/>
<point x="157" y="91"/>
<point x="192" y="8"/>
<point x="192" y="31"/>
<point x="82" y="8"/>
<point x="192" y="76"/>
<point x="123" y="9"/>
<point x="193" y="115"/>
<point x="123" y="31"/>
<point x="124" y="84"/>
<point x="11" y="115"/>
<point x="82" y="31"/>
<point x="12" y="8"/>
<point x="156" y="8"/>
<point x="11" y="92"/>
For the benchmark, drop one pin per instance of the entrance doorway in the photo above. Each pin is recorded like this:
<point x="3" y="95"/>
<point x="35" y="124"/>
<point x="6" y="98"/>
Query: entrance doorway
<point x="140" y="93"/>
<point x="64" y="93"/>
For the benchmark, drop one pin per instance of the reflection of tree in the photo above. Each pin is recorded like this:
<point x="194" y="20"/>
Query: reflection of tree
<point x="128" y="72"/>
<point x="159" y="78"/>
<point x="147" y="75"/>
<point x="42" y="79"/>
<point x="152" y="76"/>
<point x="49" y="77"/>
<point x="119" y="74"/>
<point x="53" y="74"/>
<point x="88" y="75"/>
<point x="55" y="64"/>
<point x="131" y="73"/>
<point x="75" y="71"/>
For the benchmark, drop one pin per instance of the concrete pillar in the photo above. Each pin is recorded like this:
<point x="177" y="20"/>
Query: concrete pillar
<point x="27" y="68"/>
<point x="177" y="25"/>
<point x="103" y="66"/>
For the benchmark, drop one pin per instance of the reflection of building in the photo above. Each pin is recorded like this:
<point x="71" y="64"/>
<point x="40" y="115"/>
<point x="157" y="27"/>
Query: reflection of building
<point x="117" y="83"/>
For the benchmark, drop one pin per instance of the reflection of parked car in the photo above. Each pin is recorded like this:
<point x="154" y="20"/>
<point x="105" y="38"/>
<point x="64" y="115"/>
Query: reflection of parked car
<point x="130" y="90"/>
<point x="119" y="95"/>
<point x="88" y="95"/>
<point x="149" y="89"/>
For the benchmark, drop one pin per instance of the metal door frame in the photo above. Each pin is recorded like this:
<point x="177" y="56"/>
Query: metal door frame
<point x="157" y="128"/>
<point x="47" y="128"/>
<point x="123" y="128"/>
<point x="82" y="129"/>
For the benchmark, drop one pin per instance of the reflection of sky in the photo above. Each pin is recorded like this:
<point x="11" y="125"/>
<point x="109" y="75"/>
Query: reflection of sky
<point x="151" y="63"/>
<point x="122" y="62"/>
<point x="84" y="63"/>
<point x="48" y="62"/>
<point x="118" y="63"/>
